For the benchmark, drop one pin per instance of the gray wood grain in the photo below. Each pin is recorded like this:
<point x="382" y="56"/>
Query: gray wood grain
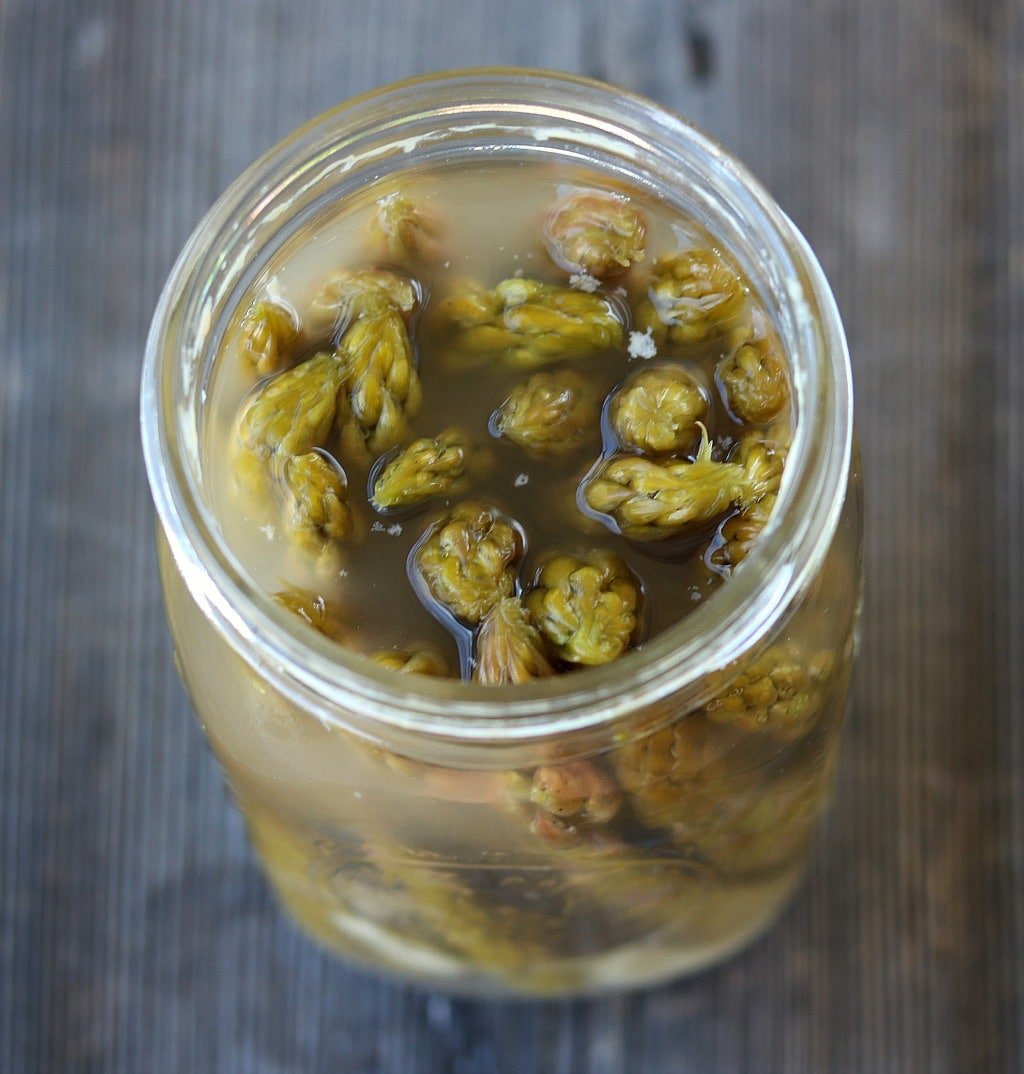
<point x="135" y="931"/>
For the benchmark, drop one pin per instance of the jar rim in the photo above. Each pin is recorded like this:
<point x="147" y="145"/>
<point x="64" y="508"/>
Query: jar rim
<point x="311" y="670"/>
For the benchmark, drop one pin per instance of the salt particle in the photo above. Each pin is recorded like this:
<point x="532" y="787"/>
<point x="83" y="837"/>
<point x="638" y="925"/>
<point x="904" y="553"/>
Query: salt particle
<point x="583" y="281"/>
<point x="395" y="529"/>
<point x="518" y="274"/>
<point x="448" y="264"/>
<point x="377" y="527"/>
<point x="522" y="479"/>
<point x="343" y="573"/>
<point x="357" y="794"/>
<point x="642" y="345"/>
<point x="268" y="531"/>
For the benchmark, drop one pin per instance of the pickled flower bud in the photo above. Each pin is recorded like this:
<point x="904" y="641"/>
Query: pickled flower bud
<point x="384" y="387"/>
<point x="409" y="232"/>
<point x="586" y="607"/>
<point x="412" y="662"/>
<point x="467" y="560"/>
<point x="779" y="693"/>
<point x="762" y="464"/>
<point x="657" y="410"/>
<point x="431" y="466"/>
<point x="741" y="531"/>
<point x="356" y="293"/>
<point x="509" y="648"/>
<point x="549" y="414"/>
<point x="316" y="499"/>
<point x="529" y="323"/>
<point x="315" y="610"/>
<point x="673" y="775"/>
<point x="600" y="235"/>
<point x="692" y="296"/>
<point x="755" y="382"/>
<point x="775" y="826"/>
<point x="649" y="499"/>
<point x="267" y="333"/>
<point x="576" y="792"/>
<point x="347" y="441"/>
<point x="294" y="412"/>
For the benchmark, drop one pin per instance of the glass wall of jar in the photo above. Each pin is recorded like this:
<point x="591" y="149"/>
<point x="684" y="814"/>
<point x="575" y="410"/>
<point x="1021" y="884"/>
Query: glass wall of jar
<point x="605" y="829"/>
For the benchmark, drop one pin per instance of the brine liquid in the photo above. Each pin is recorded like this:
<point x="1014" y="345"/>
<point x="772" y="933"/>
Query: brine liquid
<point x="492" y="218"/>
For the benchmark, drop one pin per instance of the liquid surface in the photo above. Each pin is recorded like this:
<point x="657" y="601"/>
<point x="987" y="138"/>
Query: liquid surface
<point x="491" y="222"/>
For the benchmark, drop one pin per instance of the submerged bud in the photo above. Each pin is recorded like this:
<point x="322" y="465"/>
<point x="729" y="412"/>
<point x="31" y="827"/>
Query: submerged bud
<point x="595" y="233"/>
<point x="586" y="606"/>
<point x="693" y="295"/>
<point x="548" y="415"/>
<point x="509" y="648"/>
<point x="316" y="499"/>
<point x="267" y="333"/>
<point x="384" y="387"/>
<point x="409" y="232"/>
<point x="412" y="662"/>
<point x="648" y="499"/>
<point x="755" y="382"/>
<point x="354" y="293"/>
<point x="741" y="531"/>
<point x="656" y="411"/>
<point x="314" y="610"/>
<point x="432" y="466"/>
<point x="780" y="693"/>
<point x="295" y="411"/>
<point x="576" y="792"/>
<point x="467" y="560"/>
<point x="529" y="323"/>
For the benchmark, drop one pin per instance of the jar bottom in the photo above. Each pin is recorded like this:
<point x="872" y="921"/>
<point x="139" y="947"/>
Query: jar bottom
<point x="729" y="920"/>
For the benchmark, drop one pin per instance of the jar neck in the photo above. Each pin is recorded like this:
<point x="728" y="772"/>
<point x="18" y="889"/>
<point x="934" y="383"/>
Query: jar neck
<point x="433" y="120"/>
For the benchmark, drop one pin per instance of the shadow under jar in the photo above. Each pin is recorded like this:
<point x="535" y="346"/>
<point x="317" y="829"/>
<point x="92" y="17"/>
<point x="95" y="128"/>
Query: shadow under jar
<point x="406" y="821"/>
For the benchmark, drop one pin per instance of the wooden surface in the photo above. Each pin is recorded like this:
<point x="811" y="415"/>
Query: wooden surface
<point x="136" y="935"/>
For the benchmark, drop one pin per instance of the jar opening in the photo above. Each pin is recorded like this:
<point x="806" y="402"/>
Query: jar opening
<point x="436" y="118"/>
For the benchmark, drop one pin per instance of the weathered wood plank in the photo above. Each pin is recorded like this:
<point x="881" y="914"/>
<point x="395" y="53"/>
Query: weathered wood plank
<point x="135" y="931"/>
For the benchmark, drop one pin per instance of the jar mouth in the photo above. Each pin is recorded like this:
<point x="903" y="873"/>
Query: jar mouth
<point x="391" y="127"/>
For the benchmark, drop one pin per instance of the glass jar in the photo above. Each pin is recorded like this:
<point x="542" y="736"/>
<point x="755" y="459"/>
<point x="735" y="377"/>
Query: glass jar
<point x="420" y="825"/>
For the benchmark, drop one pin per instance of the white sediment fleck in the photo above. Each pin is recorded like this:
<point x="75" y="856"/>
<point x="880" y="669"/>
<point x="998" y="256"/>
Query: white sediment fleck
<point x="377" y="527"/>
<point x="395" y="529"/>
<point x="518" y="274"/>
<point x="268" y="531"/>
<point x="642" y="345"/>
<point x="343" y="573"/>
<point x="522" y="479"/>
<point x="583" y="281"/>
<point x="448" y="264"/>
